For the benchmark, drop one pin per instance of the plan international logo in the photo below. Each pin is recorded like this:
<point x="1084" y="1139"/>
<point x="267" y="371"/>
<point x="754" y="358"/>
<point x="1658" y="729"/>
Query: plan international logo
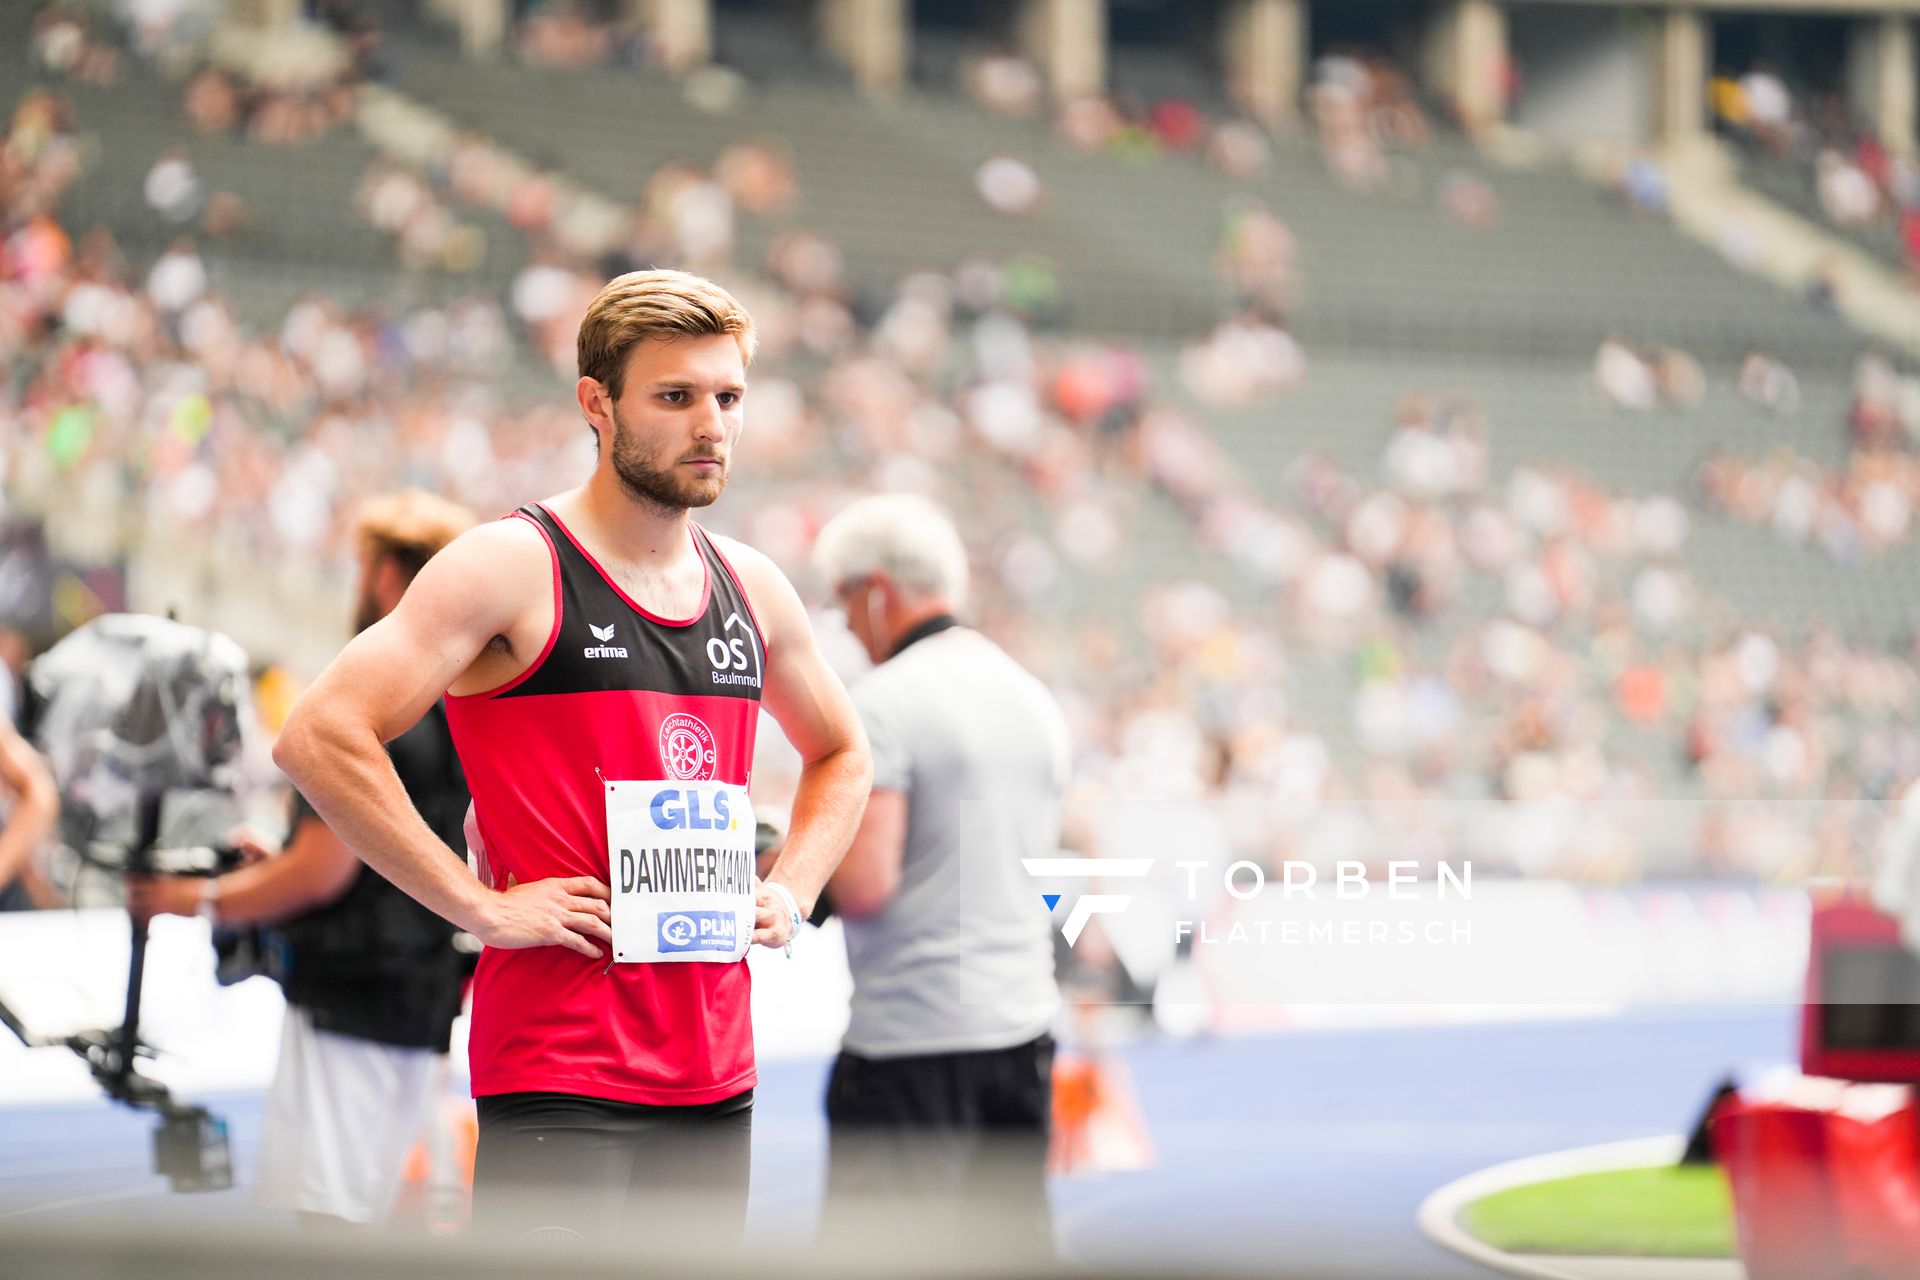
<point x="1087" y="905"/>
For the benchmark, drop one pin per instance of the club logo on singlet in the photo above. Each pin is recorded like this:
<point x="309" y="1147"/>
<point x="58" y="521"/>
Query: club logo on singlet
<point x="686" y="748"/>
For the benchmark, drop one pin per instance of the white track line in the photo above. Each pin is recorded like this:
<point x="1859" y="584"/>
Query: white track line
<point x="1439" y="1215"/>
<point x="102" y="1197"/>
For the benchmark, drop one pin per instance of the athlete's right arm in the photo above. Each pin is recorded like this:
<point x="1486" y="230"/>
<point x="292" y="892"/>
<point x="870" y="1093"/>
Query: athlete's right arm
<point x="380" y="685"/>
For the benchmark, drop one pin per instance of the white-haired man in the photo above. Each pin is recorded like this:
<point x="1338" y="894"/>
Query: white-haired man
<point x="942" y="1091"/>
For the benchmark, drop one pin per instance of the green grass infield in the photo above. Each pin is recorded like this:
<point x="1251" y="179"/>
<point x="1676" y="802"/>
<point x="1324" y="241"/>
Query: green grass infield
<point x="1669" y="1212"/>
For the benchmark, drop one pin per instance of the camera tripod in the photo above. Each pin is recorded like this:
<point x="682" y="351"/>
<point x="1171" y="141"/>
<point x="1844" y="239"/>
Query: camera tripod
<point x="190" y="1144"/>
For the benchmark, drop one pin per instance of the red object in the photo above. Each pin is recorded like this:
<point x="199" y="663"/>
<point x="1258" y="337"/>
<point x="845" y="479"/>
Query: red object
<point x="1179" y="125"/>
<point x="547" y="1019"/>
<point x="1848" y="925"/>
<point x="1872" y="159"/>
<point x="1876" y="1183"/>
<point x="1784" y="1208"/>
<point x="1083" y="389"/>
<point x="1818" y="1192"/>
<point x="1641" y="692"/>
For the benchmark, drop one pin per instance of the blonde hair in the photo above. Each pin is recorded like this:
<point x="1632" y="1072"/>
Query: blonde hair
<point x="656" y="304"/>
<point x="410" y="526"/>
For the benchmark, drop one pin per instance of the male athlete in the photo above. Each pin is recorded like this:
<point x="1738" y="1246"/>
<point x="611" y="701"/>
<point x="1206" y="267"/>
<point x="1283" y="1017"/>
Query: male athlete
<point x="604" y="660"/>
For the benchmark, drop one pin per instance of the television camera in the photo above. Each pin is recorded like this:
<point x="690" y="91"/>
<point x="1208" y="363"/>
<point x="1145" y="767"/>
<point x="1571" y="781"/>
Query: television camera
<point x="145" y="723"/>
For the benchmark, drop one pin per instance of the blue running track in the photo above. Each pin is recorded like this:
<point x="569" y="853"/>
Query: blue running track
<point x="1311" y="1150"/>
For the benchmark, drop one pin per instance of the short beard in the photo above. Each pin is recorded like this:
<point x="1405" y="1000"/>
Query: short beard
<point x="664" y="488"/>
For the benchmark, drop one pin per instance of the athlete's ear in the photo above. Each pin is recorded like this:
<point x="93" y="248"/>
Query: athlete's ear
<point x="596" y="405"/>
<point x="884" y="587"/>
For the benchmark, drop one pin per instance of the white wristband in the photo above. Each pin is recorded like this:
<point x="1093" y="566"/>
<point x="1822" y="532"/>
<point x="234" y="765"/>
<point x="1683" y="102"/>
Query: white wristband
<point x="209" y="909"/>
<point x="794" y="918"/>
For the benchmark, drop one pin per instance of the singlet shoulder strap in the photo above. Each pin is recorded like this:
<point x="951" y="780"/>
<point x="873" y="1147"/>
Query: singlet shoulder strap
<point x="582" y="581"/>
<point x="709" y="549"/>
<point x="726" y="580"/>
<point x="539" y="515"/>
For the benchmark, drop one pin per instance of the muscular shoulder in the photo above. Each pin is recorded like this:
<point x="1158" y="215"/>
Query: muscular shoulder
<point x="509" y="548"/>
<point x="491" y="572"/>
<point x="772" y="596"/>
<point x="749" y="562"/>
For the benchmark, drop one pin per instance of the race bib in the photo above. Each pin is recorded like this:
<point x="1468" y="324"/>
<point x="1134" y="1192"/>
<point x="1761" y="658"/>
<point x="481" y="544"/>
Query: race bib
<point x="680" y="856"/>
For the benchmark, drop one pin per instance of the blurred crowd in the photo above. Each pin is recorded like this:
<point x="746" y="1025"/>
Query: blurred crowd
<point x="1427" y="661"/>
<point x="143" y="389"/>
<point x="1631" y="378"/>
<point x="1537" y="681"/>
<point x="1857" y="182"/>
<point x="217" y="102"/>
<point x="1361" y="106"/>
<point x="1865" y="506"/>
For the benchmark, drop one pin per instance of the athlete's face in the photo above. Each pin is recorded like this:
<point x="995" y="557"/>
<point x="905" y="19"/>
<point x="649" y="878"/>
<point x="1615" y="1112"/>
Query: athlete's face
<point x="677" y="420"/>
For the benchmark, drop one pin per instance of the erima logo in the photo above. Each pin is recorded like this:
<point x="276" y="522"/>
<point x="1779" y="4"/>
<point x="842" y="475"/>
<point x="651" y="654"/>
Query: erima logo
<point x="603" y="649"/>
<point x="1087" y="905"/>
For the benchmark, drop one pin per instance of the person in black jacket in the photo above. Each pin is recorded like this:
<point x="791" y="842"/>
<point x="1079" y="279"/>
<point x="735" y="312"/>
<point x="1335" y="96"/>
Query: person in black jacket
<point x="372" y="979"/>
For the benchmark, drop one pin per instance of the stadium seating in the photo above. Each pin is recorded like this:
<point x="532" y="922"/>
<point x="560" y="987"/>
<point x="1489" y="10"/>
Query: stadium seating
<point x="1790" y="183"/>
<point x="1384" y="271"/>
<point x="301" y="233"/>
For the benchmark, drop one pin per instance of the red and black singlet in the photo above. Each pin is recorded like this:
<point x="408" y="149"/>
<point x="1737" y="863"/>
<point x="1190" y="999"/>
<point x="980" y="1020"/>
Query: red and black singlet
<point x="618" y="693"/>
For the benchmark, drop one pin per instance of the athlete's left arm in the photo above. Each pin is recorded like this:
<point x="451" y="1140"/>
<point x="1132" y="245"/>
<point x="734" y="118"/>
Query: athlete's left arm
<point x="812" y="707"/>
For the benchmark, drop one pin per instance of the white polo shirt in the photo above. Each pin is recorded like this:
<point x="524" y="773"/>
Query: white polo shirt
<point x="961" y="957"/>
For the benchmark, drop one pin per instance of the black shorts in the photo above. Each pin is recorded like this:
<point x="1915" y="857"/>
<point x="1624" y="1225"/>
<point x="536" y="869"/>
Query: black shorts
<point x="954" y="1143"/>
<point x="558" y="1165"/>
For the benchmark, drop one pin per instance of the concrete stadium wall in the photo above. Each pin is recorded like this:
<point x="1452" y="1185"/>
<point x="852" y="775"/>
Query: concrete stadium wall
<point x="1586" y="75"/>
